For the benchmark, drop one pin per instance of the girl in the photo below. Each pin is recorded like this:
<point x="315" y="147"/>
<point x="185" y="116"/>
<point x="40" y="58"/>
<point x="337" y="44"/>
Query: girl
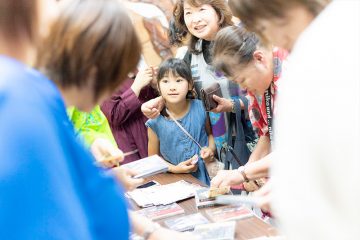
<point x="165" y="136"/>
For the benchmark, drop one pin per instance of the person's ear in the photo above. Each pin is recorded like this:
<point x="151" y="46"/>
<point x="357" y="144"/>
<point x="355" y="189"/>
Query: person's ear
<point x="258" y="56"/>
<point x="260" y="59"/>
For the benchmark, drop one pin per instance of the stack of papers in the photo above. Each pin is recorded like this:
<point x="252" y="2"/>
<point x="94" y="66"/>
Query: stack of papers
<point x="227" y="213"/>
<point x="163" y="194"/>
<point x="215" y="231"/>
<point x="148" y="166"/>
<point x="161" y="211"/>
<point x="186" y="223"/>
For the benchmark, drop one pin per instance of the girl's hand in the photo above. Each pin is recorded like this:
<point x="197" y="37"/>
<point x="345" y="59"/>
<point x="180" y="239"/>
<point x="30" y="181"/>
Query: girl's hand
<point x="184" y="167"/>
<point x="207" y="154"/>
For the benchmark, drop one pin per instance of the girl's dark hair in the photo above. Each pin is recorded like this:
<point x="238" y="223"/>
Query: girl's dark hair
<point x="234" y="44"/>
<point x="176" y="67"/>
<point x="19" y="19"/>
<point x="90" y="37"/>
<point x="251" y="11"/>
<point x="178" y="26"/>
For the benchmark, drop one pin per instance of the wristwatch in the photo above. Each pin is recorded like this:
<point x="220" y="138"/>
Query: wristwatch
<point x="150" y="230"/>
<point x="241" y="169"/>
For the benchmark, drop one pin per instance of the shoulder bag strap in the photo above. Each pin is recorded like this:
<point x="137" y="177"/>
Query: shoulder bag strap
<point x="183" y="129"/>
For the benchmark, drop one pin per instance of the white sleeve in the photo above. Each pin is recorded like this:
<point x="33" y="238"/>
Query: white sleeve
<point x="181" y="51"/>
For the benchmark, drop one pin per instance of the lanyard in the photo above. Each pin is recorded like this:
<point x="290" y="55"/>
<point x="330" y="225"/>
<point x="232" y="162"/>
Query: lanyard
<point x="183" y="129"/>
<point x="269" y="113"/>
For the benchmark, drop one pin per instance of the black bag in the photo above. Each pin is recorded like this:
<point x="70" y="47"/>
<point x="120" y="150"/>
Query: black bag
<point x="235" y="151"/>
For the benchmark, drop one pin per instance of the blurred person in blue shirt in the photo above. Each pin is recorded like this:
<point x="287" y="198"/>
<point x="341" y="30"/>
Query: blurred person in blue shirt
<point x="49" y="186"/>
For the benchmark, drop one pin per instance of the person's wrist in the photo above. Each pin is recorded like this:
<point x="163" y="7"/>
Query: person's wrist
<point x="173" y="169"/>
<point x="136" y="88"/>
<point x="241" y="169"/>
<point x="150" y="231"/>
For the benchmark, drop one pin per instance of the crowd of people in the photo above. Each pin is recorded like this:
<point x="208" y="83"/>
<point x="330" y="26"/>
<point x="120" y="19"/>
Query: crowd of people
<point x="77" y="99"/>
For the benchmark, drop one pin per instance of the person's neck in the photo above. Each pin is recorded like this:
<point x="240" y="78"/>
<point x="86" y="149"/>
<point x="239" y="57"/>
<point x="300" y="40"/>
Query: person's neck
<point x="22" y="51"/>
<point x="270" y="59"/>
<point x="178" y="110"/>
<point x="69" y="95"/>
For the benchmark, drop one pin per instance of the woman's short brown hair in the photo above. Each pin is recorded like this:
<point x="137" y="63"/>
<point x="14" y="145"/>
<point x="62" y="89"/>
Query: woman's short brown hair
<point x="19" y="19"/>
<point x="250" y="11"/>
<point x="90" y="35"/>
<point x="220" y="6"/>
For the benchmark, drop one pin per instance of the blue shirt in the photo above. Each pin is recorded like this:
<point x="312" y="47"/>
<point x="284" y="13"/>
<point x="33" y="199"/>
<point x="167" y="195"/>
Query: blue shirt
<point x="175" y="146"/>
<point x="49" y="186"/>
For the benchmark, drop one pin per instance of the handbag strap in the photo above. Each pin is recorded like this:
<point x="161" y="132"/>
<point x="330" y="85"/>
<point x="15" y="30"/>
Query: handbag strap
<point x="236" y="120"/>
<point x="183" y="129"/>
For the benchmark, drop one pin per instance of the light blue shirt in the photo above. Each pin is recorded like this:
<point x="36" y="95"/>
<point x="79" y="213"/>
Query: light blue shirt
<point x="175" y="146"/>
<point x="49" y="186"/>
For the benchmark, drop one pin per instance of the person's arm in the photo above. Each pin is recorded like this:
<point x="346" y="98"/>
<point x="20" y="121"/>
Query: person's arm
<point x="259" y="169"/>
<point x="225" y="105"/>
<point x="207" y="153"/>
<point x="153" y="143"/>
<point x="121" y="107"/>
<point x="124" y="104"/>
<point x="143" y="78"/>
<point x="252" y="171"/>
<point x="262" y="149"/>
<point x="152" y="108"/>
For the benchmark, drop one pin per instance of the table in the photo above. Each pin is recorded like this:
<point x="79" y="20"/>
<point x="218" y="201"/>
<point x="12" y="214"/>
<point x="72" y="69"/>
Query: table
<point x="245" y="228"/>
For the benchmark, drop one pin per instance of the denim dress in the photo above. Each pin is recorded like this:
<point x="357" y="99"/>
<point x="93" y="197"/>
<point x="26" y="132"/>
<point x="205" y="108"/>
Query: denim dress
<point x="175" y="146"/>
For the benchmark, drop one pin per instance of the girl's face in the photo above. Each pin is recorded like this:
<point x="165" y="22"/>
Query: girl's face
<point x="174" y="88"/>
<point x="202" y="21"/>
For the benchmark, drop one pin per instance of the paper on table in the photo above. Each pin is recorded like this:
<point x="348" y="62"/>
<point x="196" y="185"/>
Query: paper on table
<point x="163" y="194"/>
<point x="148" y="166"/>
